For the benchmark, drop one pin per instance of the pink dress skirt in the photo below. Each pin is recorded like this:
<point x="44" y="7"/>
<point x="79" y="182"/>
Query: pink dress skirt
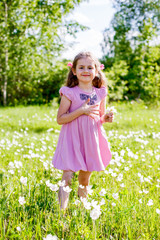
<point x="82" y="143"/>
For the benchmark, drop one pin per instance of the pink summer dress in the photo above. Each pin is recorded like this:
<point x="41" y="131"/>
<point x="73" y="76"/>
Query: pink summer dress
<point x="82" y="143"/>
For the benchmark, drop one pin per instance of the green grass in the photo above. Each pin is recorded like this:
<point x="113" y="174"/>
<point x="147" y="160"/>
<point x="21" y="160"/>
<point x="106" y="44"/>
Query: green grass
<point x="28" y="137"/>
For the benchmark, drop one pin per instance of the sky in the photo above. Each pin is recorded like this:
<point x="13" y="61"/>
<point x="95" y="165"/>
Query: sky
<point x="97" y="15"/>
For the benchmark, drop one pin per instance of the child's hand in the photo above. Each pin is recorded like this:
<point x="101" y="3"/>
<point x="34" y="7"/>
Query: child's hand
<point x="89" y="109"/>
<point x="108" y="117"/>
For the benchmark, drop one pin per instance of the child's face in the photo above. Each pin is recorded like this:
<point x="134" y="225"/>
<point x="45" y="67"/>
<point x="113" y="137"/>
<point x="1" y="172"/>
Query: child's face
<point x="85" y="70"/>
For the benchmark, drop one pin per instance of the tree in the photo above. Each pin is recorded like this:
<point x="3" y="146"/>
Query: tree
<point x="133" y="28"/>
<point x="31" y="32"/>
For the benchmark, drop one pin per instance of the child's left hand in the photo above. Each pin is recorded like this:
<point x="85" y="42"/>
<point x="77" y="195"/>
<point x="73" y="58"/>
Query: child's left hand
<point x="108" y="117"/>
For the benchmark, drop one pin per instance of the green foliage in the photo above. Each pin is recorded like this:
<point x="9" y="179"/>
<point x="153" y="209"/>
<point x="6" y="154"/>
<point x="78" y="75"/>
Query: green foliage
<point x="133" y="29"/>
<point x="41" y="88"/>
<point x="116" y="83"/>
<point x="32" y="37"/>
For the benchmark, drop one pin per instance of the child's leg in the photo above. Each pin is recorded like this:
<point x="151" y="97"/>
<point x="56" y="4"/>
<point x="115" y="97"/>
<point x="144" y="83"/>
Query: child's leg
<point x="83" y="179"/>
<point x="62" y="195"/>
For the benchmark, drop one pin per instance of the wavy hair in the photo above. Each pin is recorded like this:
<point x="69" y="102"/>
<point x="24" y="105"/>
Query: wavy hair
<point x="97" y="82"/>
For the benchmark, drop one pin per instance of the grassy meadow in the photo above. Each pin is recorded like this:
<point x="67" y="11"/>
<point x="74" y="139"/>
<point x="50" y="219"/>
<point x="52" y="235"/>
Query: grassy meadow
<point x="123" y="201"/>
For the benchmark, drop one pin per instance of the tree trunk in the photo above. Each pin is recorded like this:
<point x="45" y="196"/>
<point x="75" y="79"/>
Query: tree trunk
<point x="6" y="59"/>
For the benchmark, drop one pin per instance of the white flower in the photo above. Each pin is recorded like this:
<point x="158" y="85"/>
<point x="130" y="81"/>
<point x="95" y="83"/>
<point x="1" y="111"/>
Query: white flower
<point x="49" y="130"/>
<point x="82" y="199"/>
<point x="50" y="237"/>
<point x="11" y="171"/>
<point x="18" y="229"/>
<point x="122" y="185"/>
<point x="48" y="183"/>
<point x="120" y="177"/>
<point x="115" y="196"/>
<point x="94" y="214"/>
<point x="76" y="202"/>
<point x="18" y="164"/>
<point x="94" y="203"/>
<point x="67" y="189"/>
<point x="150" y="202"/>
<point x="111" y="109"/>
<point x="81" y="186"/>
<point x="62" y="184"/>
<point x="114" y="174"/>
<point x="11" y="164"/>
<point x="89" y="190"/>
<point x="102" y="192"/>
<point x="102" y="202"/>
<point x="53" y="187"/>
<point x="22" y="200"/>
<point x="122" y="152"/>
<point x="145" y="191"/>
<point x="140" y="200"/>
<point x="50" y="2"/>
<point x="158" y="211"/>
<point x="87" y="205"/>
<point x="45" y="164"/>
<point x="23" y="180"/>
<point x="113" y="204"/>
<point x="57" y="131"/>
<point x="147" y="180"/>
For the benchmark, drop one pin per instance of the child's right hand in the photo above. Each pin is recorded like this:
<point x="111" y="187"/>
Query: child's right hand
<point x="90" y="110"/>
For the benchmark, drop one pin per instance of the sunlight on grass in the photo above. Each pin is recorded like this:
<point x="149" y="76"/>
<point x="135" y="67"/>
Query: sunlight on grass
<point x="124" y="199"/>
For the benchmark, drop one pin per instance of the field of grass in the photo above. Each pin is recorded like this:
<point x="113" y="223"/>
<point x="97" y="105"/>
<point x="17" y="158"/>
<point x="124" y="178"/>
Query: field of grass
<point x="125" y="198"/>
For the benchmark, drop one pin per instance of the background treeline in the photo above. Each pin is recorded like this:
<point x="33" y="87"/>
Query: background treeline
<point x="32" y="38"/>
<point x="131" y="50"/>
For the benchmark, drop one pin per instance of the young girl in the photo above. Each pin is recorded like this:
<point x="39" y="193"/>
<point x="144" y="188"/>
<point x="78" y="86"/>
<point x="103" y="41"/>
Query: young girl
<point x="82" y="144"/>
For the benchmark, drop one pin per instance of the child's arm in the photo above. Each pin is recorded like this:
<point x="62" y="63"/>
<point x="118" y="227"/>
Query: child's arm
<point x="64" y="116"/>
<point x="105" y="117"/>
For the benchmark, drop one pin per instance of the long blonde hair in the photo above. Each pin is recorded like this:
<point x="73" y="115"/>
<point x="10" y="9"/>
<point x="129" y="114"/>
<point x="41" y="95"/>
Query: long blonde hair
<point x="97" y="82"/>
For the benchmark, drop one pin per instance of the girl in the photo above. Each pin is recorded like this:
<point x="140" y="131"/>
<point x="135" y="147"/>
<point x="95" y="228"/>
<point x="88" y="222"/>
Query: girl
<point x="82" y="144"/>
